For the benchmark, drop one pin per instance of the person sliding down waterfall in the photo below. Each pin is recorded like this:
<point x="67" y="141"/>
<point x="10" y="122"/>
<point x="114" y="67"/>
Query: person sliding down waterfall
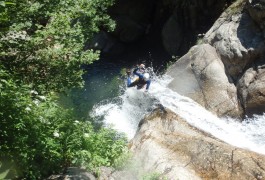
<point x="142" y="80"/>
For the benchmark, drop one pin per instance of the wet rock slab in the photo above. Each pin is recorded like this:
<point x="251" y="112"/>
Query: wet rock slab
<point x="165" y="143"/>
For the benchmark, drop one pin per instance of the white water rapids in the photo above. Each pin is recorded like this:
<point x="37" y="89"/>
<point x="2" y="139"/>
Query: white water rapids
<point x="125" y="112"/>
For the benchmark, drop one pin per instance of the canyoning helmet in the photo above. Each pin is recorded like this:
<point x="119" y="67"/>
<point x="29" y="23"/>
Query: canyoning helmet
<point x="142" y="66"/>
<point x="146" y="76"/>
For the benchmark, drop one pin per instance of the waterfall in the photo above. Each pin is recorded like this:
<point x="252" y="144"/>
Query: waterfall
<point x="124" y="113"/>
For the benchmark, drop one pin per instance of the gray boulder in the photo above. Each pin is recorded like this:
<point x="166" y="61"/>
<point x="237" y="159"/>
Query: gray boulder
<point x="252" y="90"/>
<point x="237" y="39"/>
<point x="166" y="144"/>
<point x="73" y="173"/>
<point x="200" y="75"/>
<point x="219" y="78"/>
<point x="238" y="36"/>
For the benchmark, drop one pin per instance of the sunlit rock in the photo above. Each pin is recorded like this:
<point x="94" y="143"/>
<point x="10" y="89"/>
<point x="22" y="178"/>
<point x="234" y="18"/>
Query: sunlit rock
<point x="219" y="78"/>
<point x="200" y="75"/>
<point x="237" y="39"/>
<point x="166" y="144"/>
<point x="238" y="36"/>
<point x="252" y="90"/>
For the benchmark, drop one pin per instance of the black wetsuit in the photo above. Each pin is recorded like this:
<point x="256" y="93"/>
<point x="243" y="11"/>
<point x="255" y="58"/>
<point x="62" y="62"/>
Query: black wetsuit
<point x="140" y="82"/>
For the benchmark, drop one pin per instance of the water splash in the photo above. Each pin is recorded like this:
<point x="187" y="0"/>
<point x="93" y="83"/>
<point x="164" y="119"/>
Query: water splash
<point x="125" y="116"/>
<point x="248" y="135"/>
<point x="133" y="105"/>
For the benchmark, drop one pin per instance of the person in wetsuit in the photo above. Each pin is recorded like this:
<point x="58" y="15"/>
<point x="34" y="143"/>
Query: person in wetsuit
<point x="142" y="80"/>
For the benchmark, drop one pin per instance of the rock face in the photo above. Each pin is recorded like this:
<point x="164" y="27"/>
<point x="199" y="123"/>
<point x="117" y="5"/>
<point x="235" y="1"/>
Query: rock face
<point x="200" y="75"/>
<point x="132" y="18"/>
<point x="166" y="144"/>
<point x="73" y="173"/>
<point x="175" y="23"/>
<point x="188" y="19"/>
<point x="252" y="90"/>
<point x="103" y="173"/>
<point x="238" y="50"/>
<point x="237" y="39"/>
<point x="256" y="9"/>
<point x="107" y="173"/>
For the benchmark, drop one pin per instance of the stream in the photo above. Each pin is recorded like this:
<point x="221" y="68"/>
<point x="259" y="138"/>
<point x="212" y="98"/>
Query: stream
<point x="106" y="99"/>
<point x="125" y="111"/>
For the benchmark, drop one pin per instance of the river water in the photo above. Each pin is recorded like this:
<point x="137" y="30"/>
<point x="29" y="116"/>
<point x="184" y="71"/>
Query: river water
<point x="125" y="109"/>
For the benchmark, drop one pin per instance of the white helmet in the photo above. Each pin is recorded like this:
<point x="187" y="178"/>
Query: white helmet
<point x="142" y="66"/>
<point x="146" y="76"/>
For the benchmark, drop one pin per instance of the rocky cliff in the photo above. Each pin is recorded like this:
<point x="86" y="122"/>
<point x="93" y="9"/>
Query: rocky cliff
<point x="225" y="74"/>
<point x="234" y="47"/>
<point x="174" y="24"/>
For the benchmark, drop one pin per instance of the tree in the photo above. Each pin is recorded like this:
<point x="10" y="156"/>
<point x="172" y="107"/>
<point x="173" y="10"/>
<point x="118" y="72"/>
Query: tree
<point x="40" y="138"/>
<point x="41" y="49"/>
<point x="43" y="41"/>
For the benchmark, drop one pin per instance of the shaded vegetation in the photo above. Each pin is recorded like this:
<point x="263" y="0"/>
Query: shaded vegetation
<point x="41" y="50"/>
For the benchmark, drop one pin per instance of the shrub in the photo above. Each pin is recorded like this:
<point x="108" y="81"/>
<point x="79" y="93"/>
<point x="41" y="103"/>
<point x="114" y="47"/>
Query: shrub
<point x="45" y="40"/>
<point x="40" y="137"/>
<point x="42" y="47"/>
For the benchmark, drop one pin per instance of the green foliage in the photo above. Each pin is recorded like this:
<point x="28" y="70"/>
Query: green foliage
<point x="123" y="160"/>
<point x="236" y="7"/>
<point x="171" y="62"/>
<point x="45" y="40"/>
<point x="41" y="138"/>
<point x="199" y="40"/>
<point x="153" y="176"/>
<point x="4" y="18"/>
<point x="42" y="45"/>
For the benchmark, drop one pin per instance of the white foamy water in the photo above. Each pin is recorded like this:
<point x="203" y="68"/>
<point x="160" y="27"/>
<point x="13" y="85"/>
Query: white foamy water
<point x="125" y="114"/>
